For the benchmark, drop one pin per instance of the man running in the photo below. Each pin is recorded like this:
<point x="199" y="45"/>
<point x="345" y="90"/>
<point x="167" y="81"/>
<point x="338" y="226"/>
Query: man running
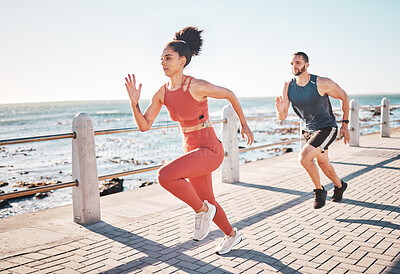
<point x="309" y="95"/>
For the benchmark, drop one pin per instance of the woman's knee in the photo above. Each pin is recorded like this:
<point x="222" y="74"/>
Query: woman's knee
<point x="164" y="177"/>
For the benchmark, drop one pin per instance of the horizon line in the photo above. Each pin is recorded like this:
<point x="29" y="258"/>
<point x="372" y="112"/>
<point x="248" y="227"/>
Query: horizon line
<point x="239" y="97"/>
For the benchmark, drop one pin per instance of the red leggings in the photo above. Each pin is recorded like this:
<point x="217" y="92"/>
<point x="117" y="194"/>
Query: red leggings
<point x="196" y="165"/>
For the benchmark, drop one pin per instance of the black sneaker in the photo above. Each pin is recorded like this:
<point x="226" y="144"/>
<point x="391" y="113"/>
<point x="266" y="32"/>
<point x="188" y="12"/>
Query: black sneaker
<point x="320" y="197"/>
<point x="338" y="193"/>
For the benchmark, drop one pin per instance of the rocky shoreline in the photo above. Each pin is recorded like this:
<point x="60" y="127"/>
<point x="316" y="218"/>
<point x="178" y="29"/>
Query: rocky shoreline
<point x="108" y="187"/>
<point x="283" y="131"/>
<point x="114" y="185"/>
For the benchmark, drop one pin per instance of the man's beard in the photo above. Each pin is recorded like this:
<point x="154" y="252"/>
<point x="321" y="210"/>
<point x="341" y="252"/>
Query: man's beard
<point x="303" y="69"/>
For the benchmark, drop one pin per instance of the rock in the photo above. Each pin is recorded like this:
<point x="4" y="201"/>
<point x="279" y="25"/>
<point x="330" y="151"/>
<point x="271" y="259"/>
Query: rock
<point x="40" y="196"/>
<point x="4" y="203"/>
<point x="287" y="149"/>
<point x="376" y="112"/>
<point x="147" y="183"/>
<point x="3" y="184"/>
<point x="113" y="186"/>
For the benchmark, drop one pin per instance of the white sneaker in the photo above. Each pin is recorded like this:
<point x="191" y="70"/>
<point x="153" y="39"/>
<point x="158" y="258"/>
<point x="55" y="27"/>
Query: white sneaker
<point x="228" y="243"/>
<point x="203" y="222"/>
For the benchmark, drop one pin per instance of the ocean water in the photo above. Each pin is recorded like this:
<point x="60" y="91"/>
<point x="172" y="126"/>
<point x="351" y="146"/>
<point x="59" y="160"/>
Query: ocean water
<point x="50" y="161"/>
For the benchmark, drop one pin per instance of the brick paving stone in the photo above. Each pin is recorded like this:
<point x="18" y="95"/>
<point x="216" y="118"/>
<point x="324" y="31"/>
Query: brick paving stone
<point x="73" y="265"/>
<point x="366" y="261"/>
<point x="35" y="264"/>
<point x="150" y="269"/>
<point x="384" y="244"/>
<point x="225" y="261"/>
<point x="313" y="249"/>
<point x="51" y="252"/>
<point x="67" y="271"/>
<point x="321" y="258"/>
<point x="77" y="258"/>
<point x="206" y="269"/>
<point x="358" y="254"/>
<point x="67" y="248"/>
<point x="339" y="270"/>
<point x="328" y="265"/>
<point x="246" y="265"/>
<point x="50" y="263"/>
<point x="21" y="269"/>
<point x="97" y="254"/>
<point x="20" y="260"/>
<point x="4" y="264"/>
<point x="93" y="261"/>
<point x="350" y="248"/>
<point x="98" y="247"/>
<point x="392" y="251"/>
<point x="54" y="269"/>
<point x="111" y="262"/>
<point x="80" y="252"/>
<point x="86" y="241"/>
<point x="281" y="231"/>
<point x="92" y="267"/>
<point x="350" y="267"/>
<point x="309" y="270"/>
<point x="375" y="269"/>
<point x="34" y="256"/>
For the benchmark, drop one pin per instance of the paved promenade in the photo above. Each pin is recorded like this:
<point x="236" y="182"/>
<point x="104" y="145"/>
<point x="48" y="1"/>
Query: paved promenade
<point x="148" y="230"/>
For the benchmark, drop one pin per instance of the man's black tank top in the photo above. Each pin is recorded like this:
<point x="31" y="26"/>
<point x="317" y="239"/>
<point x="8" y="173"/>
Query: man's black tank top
<point x="314" y="110"/>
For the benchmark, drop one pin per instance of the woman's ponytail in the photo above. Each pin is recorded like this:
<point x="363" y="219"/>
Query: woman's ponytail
<point x="187" y="42"/>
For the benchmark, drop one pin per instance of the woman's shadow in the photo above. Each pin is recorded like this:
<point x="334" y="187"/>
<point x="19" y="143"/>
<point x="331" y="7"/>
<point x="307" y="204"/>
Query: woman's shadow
<point x="175" y="256"/>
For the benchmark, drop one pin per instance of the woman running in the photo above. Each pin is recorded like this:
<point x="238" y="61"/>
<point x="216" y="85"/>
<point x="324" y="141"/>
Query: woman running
<point x="188" y="177"/>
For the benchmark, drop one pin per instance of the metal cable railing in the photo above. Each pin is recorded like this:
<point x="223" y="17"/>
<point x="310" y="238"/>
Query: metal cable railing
<point x="21" y="193"/>
<point x="269" y="145"/>
<point x="73" y="135"/>
<point x="133" y="129"/>
<point x="39" y="189"/>
<point x="37" y="139"/>
<point x="373" y="125"/>
<point x="378" y="124"/>
<point x="128" y="172"/>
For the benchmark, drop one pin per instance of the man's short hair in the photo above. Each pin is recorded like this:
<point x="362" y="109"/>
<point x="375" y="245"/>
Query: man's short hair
<point x="305" y="57"/>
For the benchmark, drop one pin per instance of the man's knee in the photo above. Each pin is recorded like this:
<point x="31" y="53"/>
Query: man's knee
<point x="323" y="164"/>
<point x="305" y="161"/>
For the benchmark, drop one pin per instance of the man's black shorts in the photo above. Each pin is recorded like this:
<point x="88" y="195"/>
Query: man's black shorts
<point x="320" y="138"/>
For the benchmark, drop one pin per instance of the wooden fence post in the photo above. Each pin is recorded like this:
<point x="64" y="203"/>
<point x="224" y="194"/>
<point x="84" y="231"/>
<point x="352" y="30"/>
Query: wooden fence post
<point x="230" y="165"/>
<point x="354" y="125"/>
<point x="385" y="118"/>
<point x="86" y="196"/>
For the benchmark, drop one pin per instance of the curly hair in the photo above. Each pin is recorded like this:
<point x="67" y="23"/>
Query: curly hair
<point x="187" y="42"/>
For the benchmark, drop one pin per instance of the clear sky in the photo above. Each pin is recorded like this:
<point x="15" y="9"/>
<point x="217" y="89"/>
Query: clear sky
<point x="59" y="50"/>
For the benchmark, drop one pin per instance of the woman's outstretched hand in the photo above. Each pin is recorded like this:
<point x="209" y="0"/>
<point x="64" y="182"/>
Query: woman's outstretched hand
<point x="245" y="130"/>
<point x="133" y="92"/>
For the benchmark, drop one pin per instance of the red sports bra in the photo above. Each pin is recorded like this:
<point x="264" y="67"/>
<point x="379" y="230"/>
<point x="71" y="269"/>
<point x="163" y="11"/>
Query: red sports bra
<point x="183" y="108"/>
